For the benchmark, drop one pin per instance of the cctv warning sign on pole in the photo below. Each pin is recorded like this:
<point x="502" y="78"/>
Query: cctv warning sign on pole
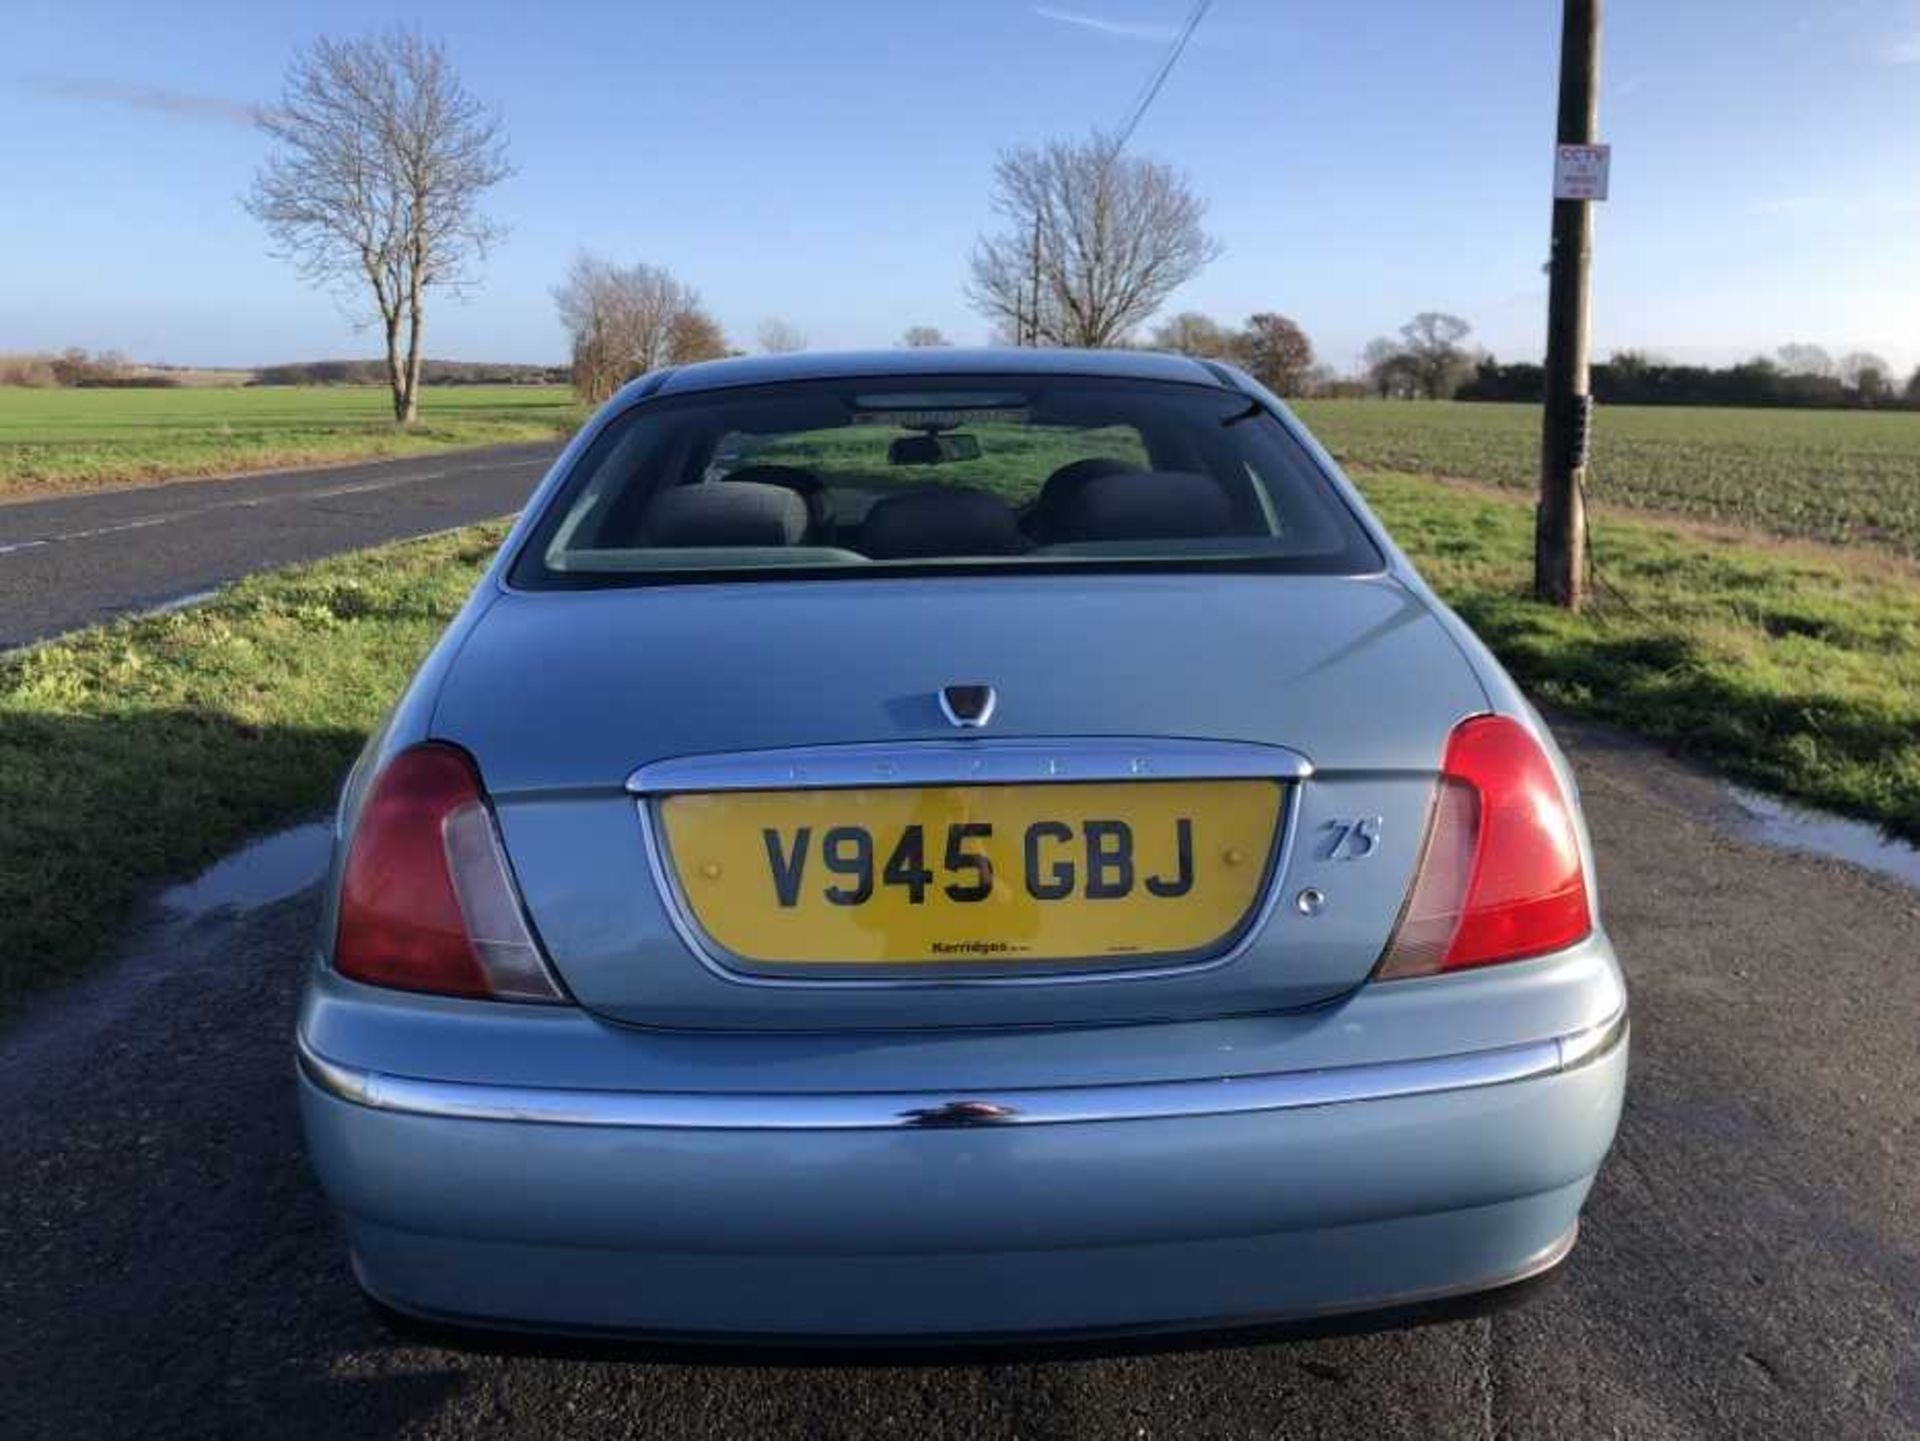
<point x="1580" y="172"/>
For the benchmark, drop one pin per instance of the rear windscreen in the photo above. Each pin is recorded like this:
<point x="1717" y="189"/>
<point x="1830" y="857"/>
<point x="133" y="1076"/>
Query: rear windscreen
<point x="865" y="477"/>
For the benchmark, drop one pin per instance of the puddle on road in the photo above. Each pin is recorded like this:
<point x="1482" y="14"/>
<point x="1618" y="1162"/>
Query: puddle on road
<point x="1776" y="823"/>
<point x="190" y="931"/>
<point x="269" y="869"/>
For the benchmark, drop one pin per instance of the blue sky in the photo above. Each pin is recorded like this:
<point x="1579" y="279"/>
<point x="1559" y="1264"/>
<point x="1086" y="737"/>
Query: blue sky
<point x="829" y="162"/>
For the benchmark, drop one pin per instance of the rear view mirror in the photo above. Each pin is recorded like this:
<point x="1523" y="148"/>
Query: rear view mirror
<point x="932" y="449"/>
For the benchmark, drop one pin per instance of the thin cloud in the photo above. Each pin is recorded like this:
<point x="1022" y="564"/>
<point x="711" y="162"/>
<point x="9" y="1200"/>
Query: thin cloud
<point x="1905" y="52"/>
<point x="153" y="98"/>
<point x="1125" y="29"/>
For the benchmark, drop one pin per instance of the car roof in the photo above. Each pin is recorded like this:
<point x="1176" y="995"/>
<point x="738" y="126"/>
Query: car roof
<point x="933" y="360"/>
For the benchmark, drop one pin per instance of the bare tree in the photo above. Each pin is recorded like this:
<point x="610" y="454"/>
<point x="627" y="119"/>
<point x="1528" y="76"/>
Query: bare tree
<point x="1389" y="369"/>
<point x="777" y="337"/>
<point x="1095" y="241"/>
<point x="1191" y="333"/>
<point x="74" y="366"/>
<point x="696" y="336"/>
<point x="1800" y="358"/>
<point x="1632" y="369"/>
<point x="1872" y="386"/>
<point x="1430" y="344"/>
<point x="627" y="320"/>
<point x="1866" y="373"/>
<point x="382" y="157"/>
<point x="924" y="337"/>
<point x="1276" y="352"/>
<point x="28" y="369"/>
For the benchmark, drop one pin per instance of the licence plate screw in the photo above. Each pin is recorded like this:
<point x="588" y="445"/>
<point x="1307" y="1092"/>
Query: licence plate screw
<point x="1233" y="856"/>
<point x="711" y="870"/>
<point x="1310" y="902"/>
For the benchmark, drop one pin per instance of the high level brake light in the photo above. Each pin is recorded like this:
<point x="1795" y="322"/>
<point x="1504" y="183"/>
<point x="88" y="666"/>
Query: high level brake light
<point x="427" y="902"/>
<point x="1501" y="877"/>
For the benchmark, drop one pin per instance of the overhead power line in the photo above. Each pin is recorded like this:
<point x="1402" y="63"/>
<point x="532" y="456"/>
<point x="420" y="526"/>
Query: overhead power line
<point x="1159" y="78"/>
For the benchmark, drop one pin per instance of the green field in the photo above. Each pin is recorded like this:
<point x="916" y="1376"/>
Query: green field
<point x="1799" y="673"/>
<point x="1842" y="476"/>
<point x="73" y="439"/>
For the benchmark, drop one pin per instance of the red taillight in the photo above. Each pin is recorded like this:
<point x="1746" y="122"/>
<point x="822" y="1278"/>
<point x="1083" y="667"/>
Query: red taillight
<point x="1501" y="876"/>
<point x="427" y="902"/>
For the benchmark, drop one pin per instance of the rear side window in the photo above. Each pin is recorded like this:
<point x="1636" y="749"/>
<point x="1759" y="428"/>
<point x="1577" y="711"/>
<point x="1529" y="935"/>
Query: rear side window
<point x="866" y="477"/>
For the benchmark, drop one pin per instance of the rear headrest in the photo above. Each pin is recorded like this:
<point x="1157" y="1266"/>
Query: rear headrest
<point x="937" y="521"/>
<point x="1067" y="481"/>
<point x="788" y="477"/>
<point x="1146" y="505"/>
<point x="808" y="486"/>
<point x="737" y="513"/>
<point x="1043" y="521"/>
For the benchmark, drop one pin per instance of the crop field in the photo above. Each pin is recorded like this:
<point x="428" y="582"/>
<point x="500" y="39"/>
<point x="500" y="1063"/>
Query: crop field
<point x="1840" y="476"/>
<point x="72" y="439"/>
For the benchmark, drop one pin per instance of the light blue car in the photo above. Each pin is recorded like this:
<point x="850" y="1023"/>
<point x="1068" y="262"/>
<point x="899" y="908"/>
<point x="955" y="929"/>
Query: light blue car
<point x="940" y="846"/>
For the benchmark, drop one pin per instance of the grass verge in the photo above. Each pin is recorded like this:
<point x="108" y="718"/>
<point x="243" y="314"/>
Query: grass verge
<point x="55" y="441"/>
<point x="137" y="752"/>
<point x="1790" y="670"/>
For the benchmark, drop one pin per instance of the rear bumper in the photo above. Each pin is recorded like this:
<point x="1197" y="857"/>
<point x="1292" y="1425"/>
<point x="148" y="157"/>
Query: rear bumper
<point x="1039" y="1213"/>
<point x="903" y="1345"/>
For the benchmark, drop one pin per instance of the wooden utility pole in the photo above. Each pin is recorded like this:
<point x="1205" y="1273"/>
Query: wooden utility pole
<point x="1560" y="525"/>
<point x="1034" y="337"/>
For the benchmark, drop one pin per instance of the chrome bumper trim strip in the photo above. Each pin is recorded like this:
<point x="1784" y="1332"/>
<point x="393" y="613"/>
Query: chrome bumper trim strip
<point x="1597" y="1042"/>
<point x="970" y="762"/>
<point x="831" y="1111"/>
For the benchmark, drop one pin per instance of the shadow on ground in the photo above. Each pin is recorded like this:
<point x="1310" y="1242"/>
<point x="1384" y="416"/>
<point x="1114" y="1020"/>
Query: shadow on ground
<point x="94" y="810"/>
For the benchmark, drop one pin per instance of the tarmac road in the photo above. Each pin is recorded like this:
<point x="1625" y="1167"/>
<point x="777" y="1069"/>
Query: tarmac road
<point x="74" y="560"/>
<point x="1750" y="1264"/>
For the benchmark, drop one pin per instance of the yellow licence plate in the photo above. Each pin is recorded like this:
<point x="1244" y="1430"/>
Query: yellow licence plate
<point x="974" y="875"/>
